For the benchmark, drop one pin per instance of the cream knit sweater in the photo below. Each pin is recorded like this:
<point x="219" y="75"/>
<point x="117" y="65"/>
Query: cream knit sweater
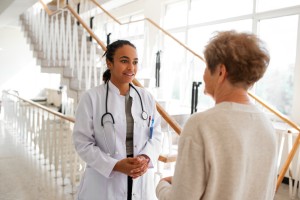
<point x="225" y="153"/>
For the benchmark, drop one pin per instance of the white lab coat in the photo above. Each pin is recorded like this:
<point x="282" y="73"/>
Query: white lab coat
<point x="99" y="181"/>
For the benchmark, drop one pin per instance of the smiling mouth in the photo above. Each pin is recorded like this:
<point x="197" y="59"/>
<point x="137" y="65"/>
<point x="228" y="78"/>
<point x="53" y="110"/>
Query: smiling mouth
<point x="128" y="74"/>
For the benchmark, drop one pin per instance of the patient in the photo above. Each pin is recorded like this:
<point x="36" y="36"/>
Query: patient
<point x="227" y="152"/>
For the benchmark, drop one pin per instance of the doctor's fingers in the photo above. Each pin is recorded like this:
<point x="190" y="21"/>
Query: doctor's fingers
<point x="134" y="161"/>
<point x="140" y="160"/>
<point x="131" y="165"/>
<point x="143" y="158"/>
<point x="125" y="166"/>
<point x="140" y="173"/>
<point x="139" y="170"/>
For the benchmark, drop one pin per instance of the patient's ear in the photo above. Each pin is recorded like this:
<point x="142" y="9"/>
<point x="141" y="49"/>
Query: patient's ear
<point x="222" y="73"/>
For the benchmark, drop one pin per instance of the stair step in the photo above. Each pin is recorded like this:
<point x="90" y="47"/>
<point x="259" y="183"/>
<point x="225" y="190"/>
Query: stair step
<point x="68" y="72"/>
<point x="75" y="84"/>
<point x="48" y="64"/>
<point x="75" y="88"/>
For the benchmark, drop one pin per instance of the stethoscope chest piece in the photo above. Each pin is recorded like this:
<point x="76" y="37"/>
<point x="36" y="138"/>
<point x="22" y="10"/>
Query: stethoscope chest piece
<point x="144" y="115"/>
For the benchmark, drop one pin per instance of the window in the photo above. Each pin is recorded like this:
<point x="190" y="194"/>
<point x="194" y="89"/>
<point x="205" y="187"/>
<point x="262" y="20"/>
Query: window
<point x="205" y="11"/>
<point x="276" y="87"/>
<point x="265" y="5"/>
<point x="197" y="39"/>
<point x="176" y="15"/>
<point x="278" y="28"/>
<point x="199" y="36"/>
<point x="136" y="28"/>
<point x="172" y="66"/>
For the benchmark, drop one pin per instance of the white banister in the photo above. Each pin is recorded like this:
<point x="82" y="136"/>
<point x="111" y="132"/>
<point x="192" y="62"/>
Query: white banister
<point x="47" y="133"/>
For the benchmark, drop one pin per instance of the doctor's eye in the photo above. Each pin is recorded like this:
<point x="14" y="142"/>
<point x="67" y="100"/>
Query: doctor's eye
<point x="124" y="61"/>
<point x="135" y="62"/>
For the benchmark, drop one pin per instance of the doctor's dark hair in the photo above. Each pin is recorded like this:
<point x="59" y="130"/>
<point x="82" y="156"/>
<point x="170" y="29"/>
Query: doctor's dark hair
<point x="243" y="54"/>
<point x="110" y="52"/>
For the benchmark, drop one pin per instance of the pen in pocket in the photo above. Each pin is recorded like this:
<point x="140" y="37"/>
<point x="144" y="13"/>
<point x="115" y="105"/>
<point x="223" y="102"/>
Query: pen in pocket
<point x="151" y="128"/>
<point x="149" y="120"/>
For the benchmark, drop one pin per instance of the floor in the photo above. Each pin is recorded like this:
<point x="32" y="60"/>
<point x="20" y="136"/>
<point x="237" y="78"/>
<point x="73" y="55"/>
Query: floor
<point x="26" y="176"/>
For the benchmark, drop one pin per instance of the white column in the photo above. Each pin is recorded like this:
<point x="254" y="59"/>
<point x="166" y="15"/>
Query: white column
<point x="295" y="115"/>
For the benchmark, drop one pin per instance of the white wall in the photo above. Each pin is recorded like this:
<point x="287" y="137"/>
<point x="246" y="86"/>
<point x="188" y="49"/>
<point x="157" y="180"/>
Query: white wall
<point x="18" y="67"/>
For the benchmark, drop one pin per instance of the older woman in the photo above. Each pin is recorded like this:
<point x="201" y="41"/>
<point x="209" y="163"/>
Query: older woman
<point x="229" y="151"/>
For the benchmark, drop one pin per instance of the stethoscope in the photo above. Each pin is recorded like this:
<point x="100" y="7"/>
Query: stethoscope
<point x="144" y="116"/>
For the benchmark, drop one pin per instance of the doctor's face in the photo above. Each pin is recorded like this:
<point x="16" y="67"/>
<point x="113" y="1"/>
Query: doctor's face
<point x="124" y="66"/>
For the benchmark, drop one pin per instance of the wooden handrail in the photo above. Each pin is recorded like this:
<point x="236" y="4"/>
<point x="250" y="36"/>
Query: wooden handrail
<point x="162" y="158"/>
<point x="70" y="119"/>
<point x="48" y="11"/>
<point x="86" y="27"/>
<point x="171" y="36"/>
<point x="106" y="12"/>
<point x="295" y="146"/>
<point x="167" y="158"/>
<point x="163" y="113"/>
<point x="273" y="110"/>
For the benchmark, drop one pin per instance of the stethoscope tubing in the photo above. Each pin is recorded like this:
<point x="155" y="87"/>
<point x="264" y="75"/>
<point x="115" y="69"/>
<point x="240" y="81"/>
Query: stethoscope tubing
<point x="144" y="116"/>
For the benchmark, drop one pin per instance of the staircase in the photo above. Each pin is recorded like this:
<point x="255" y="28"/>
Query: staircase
<point x="61" y="46"/>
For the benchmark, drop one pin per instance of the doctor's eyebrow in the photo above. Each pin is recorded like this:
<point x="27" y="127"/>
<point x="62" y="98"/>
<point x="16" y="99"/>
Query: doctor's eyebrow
<point x="126" y="57"/>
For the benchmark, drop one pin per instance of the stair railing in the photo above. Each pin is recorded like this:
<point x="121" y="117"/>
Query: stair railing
<point x="70" y="43"/>
<point x="297" y="140"/>
<point x="48" y="133"/>
<point x="58" y="45"/>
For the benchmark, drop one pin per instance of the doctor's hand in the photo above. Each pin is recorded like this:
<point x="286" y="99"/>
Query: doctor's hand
<point x="130" y="166"/>
<point x="142" y="170"/>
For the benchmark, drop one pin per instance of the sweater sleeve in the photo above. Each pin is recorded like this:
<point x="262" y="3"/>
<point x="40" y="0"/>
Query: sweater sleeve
<point x="190" y="171"/>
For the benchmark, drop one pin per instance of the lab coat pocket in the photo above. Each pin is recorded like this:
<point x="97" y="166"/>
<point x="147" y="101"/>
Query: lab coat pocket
<point x="142" y="131"/>
<point x="149" y="183"/>
<point x="144" y="187"/>
<point x="106" y="138"/>
<point x="93" y="185"/>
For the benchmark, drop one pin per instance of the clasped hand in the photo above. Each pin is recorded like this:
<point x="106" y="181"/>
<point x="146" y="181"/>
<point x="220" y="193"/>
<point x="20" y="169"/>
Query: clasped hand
<point x="133" y="167"/>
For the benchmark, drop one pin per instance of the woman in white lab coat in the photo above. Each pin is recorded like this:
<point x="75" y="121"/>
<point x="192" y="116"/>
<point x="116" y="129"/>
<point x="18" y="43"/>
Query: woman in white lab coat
<point x="117" y="132"/>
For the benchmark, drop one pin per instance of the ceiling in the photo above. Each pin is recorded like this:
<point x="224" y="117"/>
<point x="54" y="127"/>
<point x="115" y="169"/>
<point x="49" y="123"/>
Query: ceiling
<point x="10" y="10"/>
<point x="4" y="4"/>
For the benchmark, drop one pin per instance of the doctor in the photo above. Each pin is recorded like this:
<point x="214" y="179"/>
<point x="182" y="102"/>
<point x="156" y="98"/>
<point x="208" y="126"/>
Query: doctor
<point x="117" y="132"/>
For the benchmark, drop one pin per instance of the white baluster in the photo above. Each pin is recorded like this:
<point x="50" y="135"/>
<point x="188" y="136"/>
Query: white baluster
<point x="83" y="57"/>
